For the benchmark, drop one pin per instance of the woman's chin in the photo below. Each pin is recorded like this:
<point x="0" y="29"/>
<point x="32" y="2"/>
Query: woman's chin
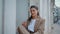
<point x="33" y="15"/>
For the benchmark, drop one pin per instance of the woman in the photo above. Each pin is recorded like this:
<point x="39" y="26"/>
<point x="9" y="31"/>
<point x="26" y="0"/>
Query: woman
<point x="34" y="24"/>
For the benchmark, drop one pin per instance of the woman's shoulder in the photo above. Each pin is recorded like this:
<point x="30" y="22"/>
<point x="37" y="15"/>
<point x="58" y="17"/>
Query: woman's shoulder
<point x="41" y="19"/>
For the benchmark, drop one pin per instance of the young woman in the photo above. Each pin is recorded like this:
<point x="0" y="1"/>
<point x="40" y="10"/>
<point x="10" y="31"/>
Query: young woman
<point x="34" y="24"/>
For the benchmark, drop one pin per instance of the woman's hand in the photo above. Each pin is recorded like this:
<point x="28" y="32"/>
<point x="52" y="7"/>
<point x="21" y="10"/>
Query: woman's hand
<point x="24" y="24"/>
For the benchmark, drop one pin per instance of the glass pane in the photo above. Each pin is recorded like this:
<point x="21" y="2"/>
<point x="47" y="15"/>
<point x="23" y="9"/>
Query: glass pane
<point x="56" y="16"/>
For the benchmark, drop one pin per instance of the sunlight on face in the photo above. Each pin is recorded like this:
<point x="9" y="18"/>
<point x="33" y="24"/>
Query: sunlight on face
<point x="33" y="12"/>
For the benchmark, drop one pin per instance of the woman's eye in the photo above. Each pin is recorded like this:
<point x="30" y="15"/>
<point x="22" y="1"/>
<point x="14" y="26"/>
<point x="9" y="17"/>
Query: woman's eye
<point x="33" y="10"/>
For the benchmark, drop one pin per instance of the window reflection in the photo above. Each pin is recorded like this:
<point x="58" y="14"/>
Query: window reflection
<point x="56" y="12"/>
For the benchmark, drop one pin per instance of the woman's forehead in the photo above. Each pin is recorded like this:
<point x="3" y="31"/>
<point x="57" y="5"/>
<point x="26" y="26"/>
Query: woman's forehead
<point x="32" y="9"/>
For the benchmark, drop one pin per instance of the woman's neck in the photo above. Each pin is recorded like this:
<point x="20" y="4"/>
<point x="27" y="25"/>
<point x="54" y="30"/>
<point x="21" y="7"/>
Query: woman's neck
<point x="34" y="17"/>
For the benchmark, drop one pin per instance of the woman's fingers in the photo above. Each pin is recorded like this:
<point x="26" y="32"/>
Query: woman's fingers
<point x="24" y="24"/>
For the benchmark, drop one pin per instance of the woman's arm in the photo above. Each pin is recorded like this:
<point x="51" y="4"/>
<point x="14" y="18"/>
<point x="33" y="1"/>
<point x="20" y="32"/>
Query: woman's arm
<point x="24" y="24"/>
<point x="41" y="28"/>
<point x="18" y="29"/>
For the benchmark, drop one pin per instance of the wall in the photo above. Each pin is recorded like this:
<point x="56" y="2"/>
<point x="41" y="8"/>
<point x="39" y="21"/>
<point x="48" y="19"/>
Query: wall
<point x="46" y="7"/>
<point x="9" y="16"/>
<point x="34" y="2"/>
<point x="1" y="16"/>
<point x="21" y="11"/>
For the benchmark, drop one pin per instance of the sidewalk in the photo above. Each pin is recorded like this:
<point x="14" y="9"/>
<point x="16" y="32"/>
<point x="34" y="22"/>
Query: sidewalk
<point x="56" y="29"/>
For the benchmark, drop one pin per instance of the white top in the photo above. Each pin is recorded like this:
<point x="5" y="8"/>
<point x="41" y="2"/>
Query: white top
<point x="31" y="25"/>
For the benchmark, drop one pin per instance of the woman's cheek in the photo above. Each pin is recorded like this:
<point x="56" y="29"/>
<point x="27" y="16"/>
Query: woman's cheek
<point x="34" y="14"/>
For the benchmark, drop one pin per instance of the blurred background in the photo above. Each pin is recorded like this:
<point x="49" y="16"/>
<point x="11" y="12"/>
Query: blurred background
<point x="14" y="12"/>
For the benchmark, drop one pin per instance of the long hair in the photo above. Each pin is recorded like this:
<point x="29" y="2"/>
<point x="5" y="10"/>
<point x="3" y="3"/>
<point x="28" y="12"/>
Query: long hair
<point x="37" y="12"/>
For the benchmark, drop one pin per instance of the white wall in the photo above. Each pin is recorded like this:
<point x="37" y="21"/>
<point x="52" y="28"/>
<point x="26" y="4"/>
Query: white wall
<point x="44" y="14"/>
<point x="47" y="13"/>
<point x="34" y="2"/>
<point x="10" y="17"/>
<point x="21" y="11"/>
<point x="1" y="16"/>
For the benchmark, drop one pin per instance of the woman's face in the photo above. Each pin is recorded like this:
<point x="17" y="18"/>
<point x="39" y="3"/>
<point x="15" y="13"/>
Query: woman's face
<point x="33" y="12"/>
